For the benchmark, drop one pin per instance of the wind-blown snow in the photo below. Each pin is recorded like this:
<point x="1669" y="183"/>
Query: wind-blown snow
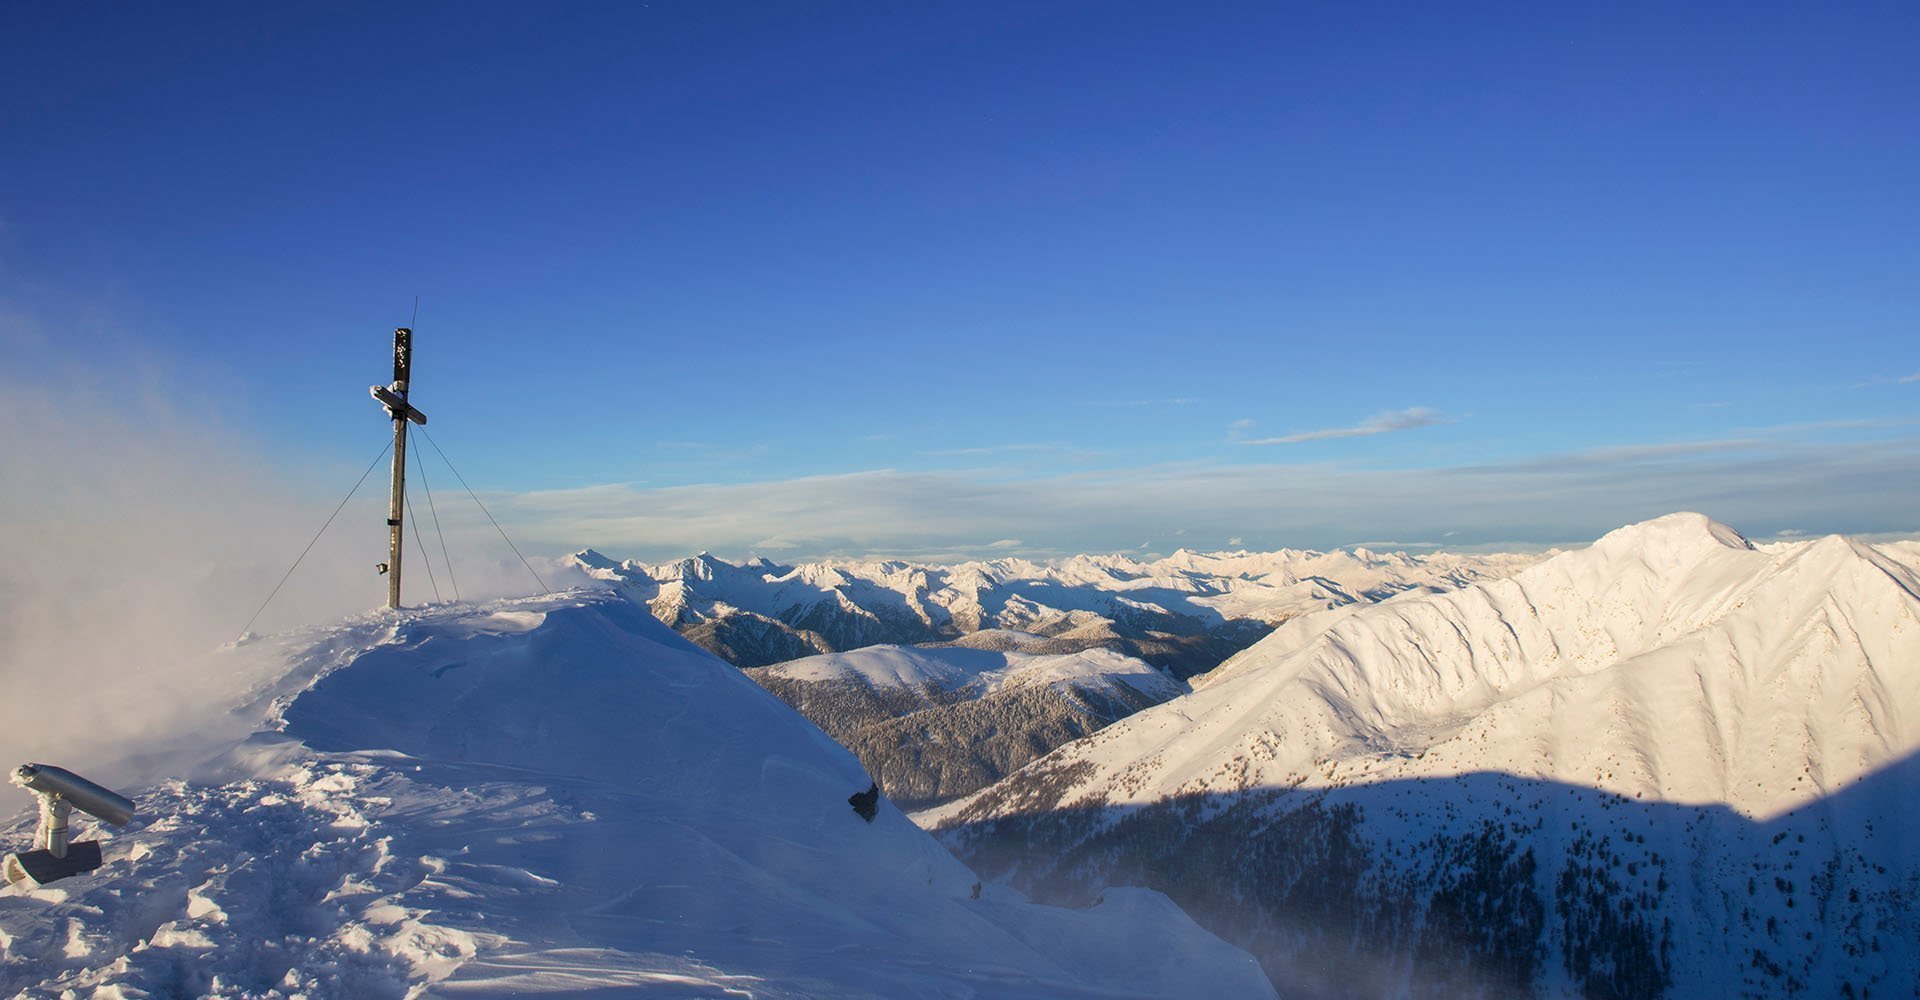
<point x="554" y="795"/>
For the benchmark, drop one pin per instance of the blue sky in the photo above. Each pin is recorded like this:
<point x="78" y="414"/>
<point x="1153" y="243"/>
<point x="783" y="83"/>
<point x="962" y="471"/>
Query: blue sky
<point x="845" y="278"/>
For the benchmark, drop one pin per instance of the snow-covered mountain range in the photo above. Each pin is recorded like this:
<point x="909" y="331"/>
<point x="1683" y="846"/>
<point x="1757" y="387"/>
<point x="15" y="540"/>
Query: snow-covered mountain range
<point x="934" y="723"/>
<point x="552" y="795"/>
<point x="938" y="723"/>
<point x="1186" y="612"/>
<point x="1674" y="760"/>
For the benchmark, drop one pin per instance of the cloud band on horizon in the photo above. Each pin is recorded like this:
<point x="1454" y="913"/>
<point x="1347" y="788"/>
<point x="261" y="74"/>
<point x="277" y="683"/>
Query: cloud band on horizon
<point x="1756" y="486"/>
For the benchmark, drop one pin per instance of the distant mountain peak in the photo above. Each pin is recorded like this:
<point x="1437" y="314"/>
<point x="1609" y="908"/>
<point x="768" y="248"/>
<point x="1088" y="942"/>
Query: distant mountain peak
<point x="1685" y="529"/>
<point x="592" y="559"/>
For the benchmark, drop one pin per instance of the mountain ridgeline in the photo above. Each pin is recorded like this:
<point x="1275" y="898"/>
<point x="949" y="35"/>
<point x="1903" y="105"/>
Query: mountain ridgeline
<point x="1184" y="613"/>
<point x="943" y="680"/>
<point x="1673" y="762"/>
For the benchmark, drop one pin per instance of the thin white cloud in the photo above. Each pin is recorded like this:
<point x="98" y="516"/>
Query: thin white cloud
<point x="1006" y="543"/>
<point x="1380" y="423"/>
<point x="1833" y="425"/>
<point x="1121" y="403"/>
<point x="1054" y="452"/>
<point x="1000" y="449"/>
<point x="1910" y="379"/>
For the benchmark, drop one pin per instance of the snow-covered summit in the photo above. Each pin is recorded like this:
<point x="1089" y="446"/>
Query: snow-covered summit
<point x="551" y="795"/>
<point x="1671" y="760"/>
<point x="1672" y="658"/>
<point x="1673" y="534"/>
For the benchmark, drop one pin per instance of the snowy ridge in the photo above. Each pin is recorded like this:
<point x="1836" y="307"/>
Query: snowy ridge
<point x="544" y="796"/>
<point x="933" y="723"/>
<point x="1670" y="659"/>
<point x="1620" y="748"/>
<point x="978" y="671"/>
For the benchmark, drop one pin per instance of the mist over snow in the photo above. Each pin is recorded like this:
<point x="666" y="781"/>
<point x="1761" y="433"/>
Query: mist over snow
<point x="138" y="535"/>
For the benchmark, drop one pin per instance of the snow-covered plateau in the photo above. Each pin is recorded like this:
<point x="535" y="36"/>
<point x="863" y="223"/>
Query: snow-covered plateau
<point x="1672" y="762"/>
<point x="552" y="795"/>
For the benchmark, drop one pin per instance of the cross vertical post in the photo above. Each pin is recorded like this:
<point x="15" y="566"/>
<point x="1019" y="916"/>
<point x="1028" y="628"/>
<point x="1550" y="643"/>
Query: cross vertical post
<point x="396" y="504"/>
<point x="394" y="398"/>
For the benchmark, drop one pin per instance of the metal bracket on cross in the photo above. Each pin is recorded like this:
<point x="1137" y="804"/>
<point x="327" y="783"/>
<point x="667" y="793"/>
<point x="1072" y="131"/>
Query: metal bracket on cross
<point x="396" y="404"/>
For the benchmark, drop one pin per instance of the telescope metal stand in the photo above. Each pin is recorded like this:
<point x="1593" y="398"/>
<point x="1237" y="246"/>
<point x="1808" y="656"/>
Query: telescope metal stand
<point x="54" y="856"/>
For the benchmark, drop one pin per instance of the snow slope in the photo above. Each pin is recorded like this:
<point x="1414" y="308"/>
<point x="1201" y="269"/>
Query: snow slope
<point x="1671" y="659"/>
<point x="554" y="795"/>
<point x="1623" y="736"/>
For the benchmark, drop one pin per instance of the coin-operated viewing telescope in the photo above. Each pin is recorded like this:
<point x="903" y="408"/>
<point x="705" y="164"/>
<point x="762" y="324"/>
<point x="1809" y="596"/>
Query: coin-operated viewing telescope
<point x="60" y="791"/>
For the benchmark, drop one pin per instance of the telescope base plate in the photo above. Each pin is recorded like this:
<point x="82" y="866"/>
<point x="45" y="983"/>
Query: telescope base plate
<point x="42" y="867"/>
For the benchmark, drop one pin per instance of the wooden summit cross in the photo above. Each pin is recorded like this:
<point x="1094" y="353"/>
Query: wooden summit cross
<point x="394" y="398"/>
